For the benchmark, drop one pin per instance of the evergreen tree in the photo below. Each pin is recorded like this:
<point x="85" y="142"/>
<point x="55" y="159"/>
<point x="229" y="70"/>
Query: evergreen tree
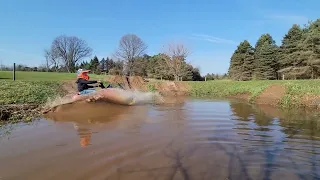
<point x="298" y="57"/>
<point x="196" y="76"/>
<point x="266" y="62"/>
<point x="290" y="49"/>
<point x="94" y="63"/>
<point x="241" y="64"/>
<point x="263" y="38"/>
<point x="236" y="62"/>
<point x="102" y="65"/>
<point x="107" y="65"/>
<point x="85" y="65"/>
<point x="310" y="51"/>
<point x="248" y="62"/>
<point x="110" y="64"/>
<point x="266" y="68"/>
<point x="186" y="72"/>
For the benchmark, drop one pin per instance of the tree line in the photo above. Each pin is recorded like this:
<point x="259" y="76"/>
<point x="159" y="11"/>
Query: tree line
<point x="68" y="53"/>
<point x="298" y="56"/>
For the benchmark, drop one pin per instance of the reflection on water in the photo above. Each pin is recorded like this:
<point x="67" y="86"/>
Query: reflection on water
<point x="197" y="139"/>
<point x="84" y="134"/>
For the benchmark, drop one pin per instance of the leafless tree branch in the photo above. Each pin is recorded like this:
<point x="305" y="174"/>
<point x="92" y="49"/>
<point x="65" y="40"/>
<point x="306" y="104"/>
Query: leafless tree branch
<point x="130" y="47"/>
<point x="174" y="59"/>
<point x="70" y="50"/>
<point x="51" y="60"/>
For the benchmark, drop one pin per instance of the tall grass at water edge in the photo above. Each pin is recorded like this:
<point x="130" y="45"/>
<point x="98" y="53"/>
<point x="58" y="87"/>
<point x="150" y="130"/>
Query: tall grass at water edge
<point x="294" y="89"/>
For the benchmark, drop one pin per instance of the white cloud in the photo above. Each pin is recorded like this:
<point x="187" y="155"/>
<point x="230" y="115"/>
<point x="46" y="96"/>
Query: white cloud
<point x="288" y="18"/>
<point x="212" y="39"/>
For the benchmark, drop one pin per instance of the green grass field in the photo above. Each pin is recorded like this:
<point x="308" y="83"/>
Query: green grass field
<point x="227" y="87"/>
<point x="33" y="87"/>
<point x="43" y="76"/>
<point x="295" y="89"/>
<point x="36" y="87"/>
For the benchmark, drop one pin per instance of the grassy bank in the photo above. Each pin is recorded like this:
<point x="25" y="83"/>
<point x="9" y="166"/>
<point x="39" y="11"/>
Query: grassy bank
<point x="20" y="100"/>
<point x="297" y="93"/>
<point x="225" y="88"/>
<point x="23" y="97"/>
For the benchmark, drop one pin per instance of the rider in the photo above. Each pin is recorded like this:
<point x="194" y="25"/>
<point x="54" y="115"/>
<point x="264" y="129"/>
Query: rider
<point x="83" y="83"/>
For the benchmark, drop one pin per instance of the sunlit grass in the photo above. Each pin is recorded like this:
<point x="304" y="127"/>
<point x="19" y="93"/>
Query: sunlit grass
<point x="295" y="89"/>
<point x="223" y="88"/>
<point x="37" y="87"/>
<point x="43" y="76"/>
<point x="28" y="92"/>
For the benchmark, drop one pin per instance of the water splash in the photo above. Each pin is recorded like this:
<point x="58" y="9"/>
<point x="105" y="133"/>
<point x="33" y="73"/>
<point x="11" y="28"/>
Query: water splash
<point x="57" y="101"/>
<point x="138" y="96"/>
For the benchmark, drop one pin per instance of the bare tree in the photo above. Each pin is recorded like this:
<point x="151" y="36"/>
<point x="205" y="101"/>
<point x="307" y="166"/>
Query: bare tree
<point x="174" y="60"/>
<point x="130" y="47"/>
<point x="70" y="50"/>
<point x="51" y="60"/>
<point x="47" y="55"/>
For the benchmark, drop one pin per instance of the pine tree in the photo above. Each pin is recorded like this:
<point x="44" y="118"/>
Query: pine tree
<point x="267" y="62"/>
<point x="85" y="65"/>
<point x="102" y="65"/>
<point x="310" y="53"/>
<point x="236" y="62"/>
<point x="290" y="50"/>
<point x="241" y="64"/>
<point x="266" y="58"/>
<point x="107" y="65"/>
<point x="196" y="76"/>
<point x="297" y="57"/>
<point x="94" y="63"/>
<point x="263" y="38"/>
<point x="110" y="64"/>
<point x="248" y="62"/>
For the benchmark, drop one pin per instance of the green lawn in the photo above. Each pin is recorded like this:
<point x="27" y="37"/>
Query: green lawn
<point x="43" y="76"/>
<point x="33" y="87"/>
<point x="28" y="92"/>
<point x="295" y="89"/>
<point x="222" y="88"/>
<point x="227" y="87"/>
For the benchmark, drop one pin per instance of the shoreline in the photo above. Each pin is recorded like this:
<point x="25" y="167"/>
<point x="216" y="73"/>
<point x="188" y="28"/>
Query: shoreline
<point x="22" y="101"/>
<point x="280" y="94"/>
<point x="275" y="94"/>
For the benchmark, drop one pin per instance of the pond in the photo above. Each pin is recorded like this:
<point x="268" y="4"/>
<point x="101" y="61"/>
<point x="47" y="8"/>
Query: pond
<point x="190" y="139"/>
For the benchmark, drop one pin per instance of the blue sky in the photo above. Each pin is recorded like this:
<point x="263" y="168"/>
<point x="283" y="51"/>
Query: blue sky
<point x="211" y="29"/>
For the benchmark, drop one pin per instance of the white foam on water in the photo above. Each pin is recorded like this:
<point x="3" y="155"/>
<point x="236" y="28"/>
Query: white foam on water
<point x="139" y="96"/>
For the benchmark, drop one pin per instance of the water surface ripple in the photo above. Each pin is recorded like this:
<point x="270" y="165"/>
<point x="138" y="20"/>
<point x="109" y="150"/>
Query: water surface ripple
<point x="196" y="139"/>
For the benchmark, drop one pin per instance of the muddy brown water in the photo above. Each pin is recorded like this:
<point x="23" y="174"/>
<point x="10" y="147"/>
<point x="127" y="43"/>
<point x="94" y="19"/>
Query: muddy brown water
<point x="193" y="139"/>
